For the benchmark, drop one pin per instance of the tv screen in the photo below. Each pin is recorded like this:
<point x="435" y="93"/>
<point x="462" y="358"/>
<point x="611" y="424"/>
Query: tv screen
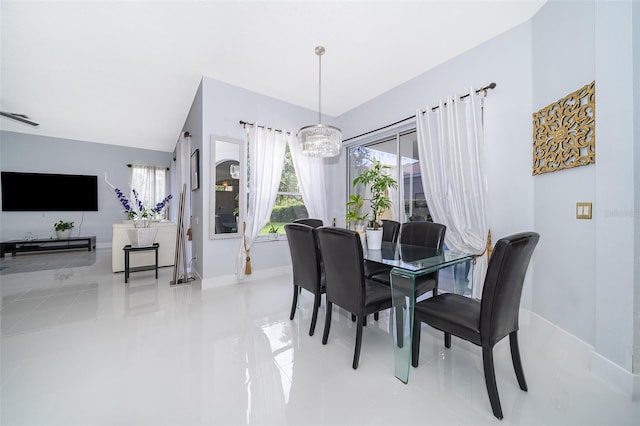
<point x="27" y="192"/>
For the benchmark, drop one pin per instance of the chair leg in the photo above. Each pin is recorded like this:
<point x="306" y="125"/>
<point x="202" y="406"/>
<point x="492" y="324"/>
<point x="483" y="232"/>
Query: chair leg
<point x="327" y="323"/>
<point x="314" y="316"/>
<point x="294" y="304"/>
<point x="517" y="362"/>
<point x="356" y="353"/>
<point x="415" y="342"/>
<point x="490" y="380"/>
<point x="447" y="340"/>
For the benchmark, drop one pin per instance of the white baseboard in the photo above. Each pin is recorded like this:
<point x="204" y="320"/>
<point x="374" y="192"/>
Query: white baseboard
<point x="224" y="280"/>
<point x="603" y="368"/>
<point x="615" y="375"/>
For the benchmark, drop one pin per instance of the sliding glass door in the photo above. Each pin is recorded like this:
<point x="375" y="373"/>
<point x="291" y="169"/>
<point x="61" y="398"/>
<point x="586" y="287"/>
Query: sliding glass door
<point x="400" y="153"/>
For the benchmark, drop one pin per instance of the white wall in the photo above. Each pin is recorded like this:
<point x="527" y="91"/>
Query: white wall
<point x="636" y="180"/>
<point x="563" y="61"/>
<point x="20" y="152"/>
<point x="584" y="271"/>
<point x="193" y="125"/>
<point x="615" y="232"/>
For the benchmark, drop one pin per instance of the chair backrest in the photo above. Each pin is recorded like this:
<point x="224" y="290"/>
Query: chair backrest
<point x="390" y="230"/>
<point x="417" y="218"/>
<point x="341" y="252"/>
<point x="314" y="223"/>
<point x="503" y="285"/>
<point x="426" y="234"/>
<point x="305" y="256"/>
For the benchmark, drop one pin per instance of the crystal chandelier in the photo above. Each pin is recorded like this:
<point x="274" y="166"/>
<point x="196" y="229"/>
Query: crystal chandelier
<point x="320" y="140"/>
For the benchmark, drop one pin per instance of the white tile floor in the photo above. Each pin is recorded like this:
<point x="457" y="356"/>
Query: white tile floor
<point x="79" y="347"/>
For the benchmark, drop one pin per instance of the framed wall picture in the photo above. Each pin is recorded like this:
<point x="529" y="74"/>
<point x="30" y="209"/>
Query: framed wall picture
<point x="195" y="170"/>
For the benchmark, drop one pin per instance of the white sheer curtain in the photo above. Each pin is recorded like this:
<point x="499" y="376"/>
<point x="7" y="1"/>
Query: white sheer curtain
<point x="451" y="149"/>
<point x="151" y="184"/>
<point x="311" y="180"/>
<point x="266" y="158"/>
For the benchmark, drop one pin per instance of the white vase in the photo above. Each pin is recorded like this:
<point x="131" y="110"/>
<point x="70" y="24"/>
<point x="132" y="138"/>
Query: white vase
<point x="374" y="239"/>
<point x="142" y="237"/>
<point x="63" y="235"/>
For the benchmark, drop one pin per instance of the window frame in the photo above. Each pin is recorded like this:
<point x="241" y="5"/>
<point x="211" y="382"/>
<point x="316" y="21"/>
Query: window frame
<point x="392" y="133"/>
<point x="281" y="235"/>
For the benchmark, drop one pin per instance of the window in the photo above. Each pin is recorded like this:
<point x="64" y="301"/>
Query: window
<point x="408" y="199"/>
<point x="151" y="184"/>
<point x="289" y="205"/>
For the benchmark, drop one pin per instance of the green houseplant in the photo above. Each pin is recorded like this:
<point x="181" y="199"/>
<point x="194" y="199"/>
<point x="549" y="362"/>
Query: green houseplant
<point x="378" y="182"/>
<point x="273" y="231"/>
<point x="63" y="228"/>
<point x="355" y="215"/>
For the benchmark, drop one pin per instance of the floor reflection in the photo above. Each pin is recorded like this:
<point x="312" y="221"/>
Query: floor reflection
<point x="43" y="261"/>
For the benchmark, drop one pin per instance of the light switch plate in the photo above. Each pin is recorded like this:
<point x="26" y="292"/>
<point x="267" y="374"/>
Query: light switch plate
<point x="583" y="210"/>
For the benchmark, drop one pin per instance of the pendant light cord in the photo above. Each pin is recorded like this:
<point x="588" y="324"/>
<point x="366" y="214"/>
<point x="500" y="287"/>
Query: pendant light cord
<point x="319" y="52"/>
<point x="319" y="89"/>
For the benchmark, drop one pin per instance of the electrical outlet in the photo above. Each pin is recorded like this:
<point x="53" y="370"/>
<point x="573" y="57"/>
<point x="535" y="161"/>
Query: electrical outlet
<point x="583" y="210"/>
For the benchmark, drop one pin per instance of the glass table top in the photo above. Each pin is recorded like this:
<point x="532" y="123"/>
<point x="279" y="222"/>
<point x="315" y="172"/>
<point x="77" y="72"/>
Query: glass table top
<point x="416" y="260"/>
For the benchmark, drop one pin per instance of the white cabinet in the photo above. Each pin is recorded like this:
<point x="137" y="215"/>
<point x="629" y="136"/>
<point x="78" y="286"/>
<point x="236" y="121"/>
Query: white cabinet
<point x="166" y="237"/>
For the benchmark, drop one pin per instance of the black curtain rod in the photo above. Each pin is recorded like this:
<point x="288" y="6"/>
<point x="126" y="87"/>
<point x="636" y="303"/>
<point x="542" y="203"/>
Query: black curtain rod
<point x="483" y="89"/>
<point x="245" y="124"/>
<point x="131" y="165"/>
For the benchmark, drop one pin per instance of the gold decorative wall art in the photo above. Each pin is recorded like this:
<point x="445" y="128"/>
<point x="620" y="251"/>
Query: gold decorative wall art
<point x="564" y="134"/>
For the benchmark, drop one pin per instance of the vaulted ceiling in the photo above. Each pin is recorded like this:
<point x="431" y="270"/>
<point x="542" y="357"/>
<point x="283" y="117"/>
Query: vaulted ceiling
<point x="125" y="72"/>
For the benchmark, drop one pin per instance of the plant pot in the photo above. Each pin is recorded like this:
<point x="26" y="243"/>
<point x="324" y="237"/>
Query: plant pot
<point x="63" y="235"/>
<point x="374" y="239"/>
<point x="142" y="237"/>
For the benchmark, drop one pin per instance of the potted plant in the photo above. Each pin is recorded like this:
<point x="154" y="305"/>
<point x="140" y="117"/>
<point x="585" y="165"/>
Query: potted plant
<point x="356" y="216"/>
<point x="63" y="229"/>
<point x="142" y="234"/>
<point x="273" y="231"/>
<point x="377" y="182"/>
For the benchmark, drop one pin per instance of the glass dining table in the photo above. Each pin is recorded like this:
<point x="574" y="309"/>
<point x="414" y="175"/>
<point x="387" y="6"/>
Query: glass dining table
<point x="409" y="262"/>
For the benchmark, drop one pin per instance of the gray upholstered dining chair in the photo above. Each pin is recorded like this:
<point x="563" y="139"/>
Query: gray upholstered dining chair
<point x="307" y="267"/>
<point x="347" y="287"/>
<point x="487" y="321"/>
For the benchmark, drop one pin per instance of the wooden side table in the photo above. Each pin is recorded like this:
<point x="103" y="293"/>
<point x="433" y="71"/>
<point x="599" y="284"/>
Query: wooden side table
<point x="127" y="251"/>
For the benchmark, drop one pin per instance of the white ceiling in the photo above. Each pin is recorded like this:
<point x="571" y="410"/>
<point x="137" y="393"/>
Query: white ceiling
<point x="125" y="72"/>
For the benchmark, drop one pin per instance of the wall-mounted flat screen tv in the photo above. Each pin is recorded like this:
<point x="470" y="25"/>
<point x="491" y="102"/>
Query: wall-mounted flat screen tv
<point x="29" y="192"/>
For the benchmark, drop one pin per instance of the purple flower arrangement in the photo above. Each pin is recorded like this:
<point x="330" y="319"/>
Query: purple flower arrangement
<point x="137" y="212"/>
